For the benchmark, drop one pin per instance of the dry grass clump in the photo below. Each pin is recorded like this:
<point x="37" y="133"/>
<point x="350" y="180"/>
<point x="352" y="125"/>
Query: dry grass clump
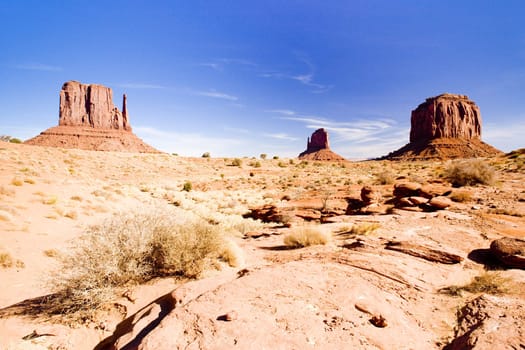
<point x="7" y="261"/>
<point x="128" y="250"/>
<point x="488" y="282"/>
<point x="304" y="237"/>
<point x="461" y="196"/>
<point x="385" y="177"/>
<point x="469" y="172"/>
<point x="364" y="228"/>
<point x="6" y="191"/>
<point x="17" y="181"/>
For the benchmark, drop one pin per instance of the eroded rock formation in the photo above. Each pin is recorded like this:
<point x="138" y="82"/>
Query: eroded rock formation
<point x="91" y="106"/>
<point x="318" y="147"/>
<point x="443" y="127"/>
<point x="446" y="115"/>
<point x="89" y="120"/>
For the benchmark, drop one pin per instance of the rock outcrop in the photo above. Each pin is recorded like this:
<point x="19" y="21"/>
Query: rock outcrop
<point x="318" y="148"/>
<point x="444" y="127"/>
<point x="89" y="120"/>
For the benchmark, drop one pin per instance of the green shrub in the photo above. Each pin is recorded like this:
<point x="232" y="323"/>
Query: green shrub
<point x="237" y="162"/>
<point x="206" y="155"/>
<point x="263" y="155"/>
<point x="469" y="172"/>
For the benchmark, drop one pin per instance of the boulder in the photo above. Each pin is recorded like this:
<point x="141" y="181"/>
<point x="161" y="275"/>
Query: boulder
<point x="368" y="195"/>
<point x="509" y="251"/>
<point x="406" y="189"/>
<point x="440" y="202"/>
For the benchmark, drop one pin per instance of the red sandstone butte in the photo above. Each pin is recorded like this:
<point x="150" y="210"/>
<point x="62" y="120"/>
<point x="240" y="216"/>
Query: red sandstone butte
<point x="89" y="120"/>
<point x="318" y="148"/>
<point x="444" y="127"/>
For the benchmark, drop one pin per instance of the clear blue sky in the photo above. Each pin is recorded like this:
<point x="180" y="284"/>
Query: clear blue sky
<point x="240" y="78"/>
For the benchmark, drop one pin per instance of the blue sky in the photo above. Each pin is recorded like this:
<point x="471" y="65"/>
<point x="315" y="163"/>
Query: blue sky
<point x="240" y="78"/>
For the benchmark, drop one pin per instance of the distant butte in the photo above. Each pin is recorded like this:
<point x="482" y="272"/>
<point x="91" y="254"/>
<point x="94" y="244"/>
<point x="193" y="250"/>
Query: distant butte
<point x="318" y="148"/>
<point x="444" y="127"/>
<point x="89" y="120"/>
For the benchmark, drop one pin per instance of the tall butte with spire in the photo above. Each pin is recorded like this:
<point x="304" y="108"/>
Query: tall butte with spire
<point x="89" y="120"/>
<point x="318" y="147"/>
<point x="444" y="127"/>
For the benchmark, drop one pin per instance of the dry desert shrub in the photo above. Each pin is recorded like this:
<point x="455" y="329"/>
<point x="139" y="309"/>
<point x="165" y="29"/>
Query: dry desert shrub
<point x="469" y="172"/>
<point x="128" y="250"/>
<point x="461" y="196"/>
<point x="489" y="282"/>
<point x="385" y="177"/>
<point x="364" y="229"/>
<point x="17" y="181"/>
<point x="304" y="237"/>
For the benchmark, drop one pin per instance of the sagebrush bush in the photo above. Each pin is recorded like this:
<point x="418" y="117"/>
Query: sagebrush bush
<point x="469" y="172"/>
<point x="488" y="282"/>
<point x="128" y="250"/>
<point x="305" y="236"/>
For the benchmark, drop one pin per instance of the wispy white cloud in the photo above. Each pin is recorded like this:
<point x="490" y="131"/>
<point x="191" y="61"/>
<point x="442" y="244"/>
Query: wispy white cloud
<point x="306" y="79"/>
<point x="282" y="111"/>
<point x="281" y="136"/>
<point x="219" y="64"/>
<point x="38" y="67"/>
<point x="140" y="86"/>
<point x="359" y="138"/>
<point x="505" y="136"/>
<point x="212" y="65"/>
<point x="237" y="130"/>
<point x="217" y="94"/>
<point x="189" y="144"/>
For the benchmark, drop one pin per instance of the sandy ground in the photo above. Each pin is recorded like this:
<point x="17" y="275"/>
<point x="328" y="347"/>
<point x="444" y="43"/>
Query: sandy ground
<point x="316" y="297"/>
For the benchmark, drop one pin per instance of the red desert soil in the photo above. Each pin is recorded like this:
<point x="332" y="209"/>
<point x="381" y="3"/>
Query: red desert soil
<point x="351" y="293"/>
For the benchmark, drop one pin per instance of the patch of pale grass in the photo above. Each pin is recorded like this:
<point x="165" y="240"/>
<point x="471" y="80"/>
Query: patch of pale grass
<point x="76" y="198"/>
<point x="17" y="181"/>
<point x="51" y="253"/>
<point x="130" y="249"/>
<point x="72" y="214"/>
<point x="469" y="172"/>
<point x="29" y="181"/>
<point x="6" y="191"/>
<point x="490" y="282"/>
<point x="461" y="196"/>
<point x="6" y="260"/>
<point x="50" y="200"/>
<point x="364" y="228"/>
<point x="304" y="237"/>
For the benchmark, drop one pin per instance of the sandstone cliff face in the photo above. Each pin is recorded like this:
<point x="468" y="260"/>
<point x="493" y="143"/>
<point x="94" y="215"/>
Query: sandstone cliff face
<point x="445" y="127"/>
<point x="318" y="141"/>
<point x="88" y="120"/>
<point x="318" y="148"/>
<point x="448" y="116"/>
<point x="91" y="106"/>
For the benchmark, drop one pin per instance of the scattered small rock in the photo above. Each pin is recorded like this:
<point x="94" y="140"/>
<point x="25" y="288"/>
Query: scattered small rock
<point x="378" y="321"/>
<point x="228" y="317"/>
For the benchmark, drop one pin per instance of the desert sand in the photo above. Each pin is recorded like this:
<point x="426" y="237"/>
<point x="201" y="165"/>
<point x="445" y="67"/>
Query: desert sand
<point x="350" y="293"/>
